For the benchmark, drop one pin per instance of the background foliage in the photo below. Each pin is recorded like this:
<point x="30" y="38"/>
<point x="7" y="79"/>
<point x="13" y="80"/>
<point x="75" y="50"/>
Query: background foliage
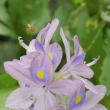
<point x="89" y="19"/>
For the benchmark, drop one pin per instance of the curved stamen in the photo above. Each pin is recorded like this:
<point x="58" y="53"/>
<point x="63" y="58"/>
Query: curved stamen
<point x="93" y="62"/>
<point x="22" y="43"/>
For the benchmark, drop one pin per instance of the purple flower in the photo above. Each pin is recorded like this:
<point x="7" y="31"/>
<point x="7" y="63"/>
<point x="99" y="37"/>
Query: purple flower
<point x="40" y="88"/>
<point x="81" y="100"/>
<point x="75" y="65"/>
<point x="41" y="44"/>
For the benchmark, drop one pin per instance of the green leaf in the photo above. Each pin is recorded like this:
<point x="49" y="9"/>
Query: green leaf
<point x="8" y="51"/>
<point x="105" y="16"/>
<point x="6" y="26"/>
<point x="3" y="96"/>
<point x="6" y="81"/>
<point x="78" y="22"/>
<point x="91" y="33"/>
<point x="105" y="77"/>
<point x="92" y="6"/>
<point x="2" y="1"/>
<point x="7" y="85"/>
<point x="88" y="30"/>
<point x="75" y="1"/>
<point x="5" y="17"/>
<point x="63" y="15"/>
<point x="33" y="12"/>
<point x="107" y="40"/>
<point x="106" y="102"/>
<point x="69" y="19"/>
<point x="6" y="31"/>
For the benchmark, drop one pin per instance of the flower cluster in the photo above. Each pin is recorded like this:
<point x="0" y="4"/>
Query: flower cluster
<point x="41" y="87"/>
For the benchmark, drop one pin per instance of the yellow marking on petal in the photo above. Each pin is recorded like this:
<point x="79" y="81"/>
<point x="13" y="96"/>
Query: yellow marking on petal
<point x="39" y="38"/>
<point x="78" y="99"/>
<point x="50" y="56"/>
<point x="80" y="51"/>
<point x="40" y="74"/>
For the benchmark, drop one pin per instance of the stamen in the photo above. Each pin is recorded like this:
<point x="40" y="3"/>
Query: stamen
<point x="93" y="62"/>
<point x="22" y="43"/>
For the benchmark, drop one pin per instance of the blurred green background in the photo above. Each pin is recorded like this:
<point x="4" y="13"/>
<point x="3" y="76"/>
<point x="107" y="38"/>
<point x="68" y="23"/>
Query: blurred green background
<point x="89" y="19"/>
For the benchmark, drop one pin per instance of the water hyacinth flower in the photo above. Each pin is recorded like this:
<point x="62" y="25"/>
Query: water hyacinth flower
<point x="40" y="86"/>
<point x="41" y="44"/>
<point x="81" y="100"/>
<point x="75" y="65"/>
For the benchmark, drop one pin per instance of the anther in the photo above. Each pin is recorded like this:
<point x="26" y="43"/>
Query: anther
<point x="44" y="86"/>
